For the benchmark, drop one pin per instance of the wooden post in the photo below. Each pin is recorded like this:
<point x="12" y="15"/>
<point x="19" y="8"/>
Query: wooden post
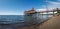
<point x="58" y="12"/>
<point x="53" y="12"/>
<point x="42" y="15"/>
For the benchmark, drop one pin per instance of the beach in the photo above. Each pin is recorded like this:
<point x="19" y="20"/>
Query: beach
<point x="52" y="23"/>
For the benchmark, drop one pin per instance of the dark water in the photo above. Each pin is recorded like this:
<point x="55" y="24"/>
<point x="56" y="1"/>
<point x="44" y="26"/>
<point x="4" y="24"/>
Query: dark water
<point x="18" y="20"/>
<point x="11" y="21"/>
<point x="7" y="19"/>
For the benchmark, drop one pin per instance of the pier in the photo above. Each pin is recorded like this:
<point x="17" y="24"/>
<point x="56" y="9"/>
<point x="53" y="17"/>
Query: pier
<point x="46" y="23"/>
<point x="32" y="15"/>
<point x="32" y="11"/>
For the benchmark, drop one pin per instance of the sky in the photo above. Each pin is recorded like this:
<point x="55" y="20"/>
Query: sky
<point x="17" y="7"/>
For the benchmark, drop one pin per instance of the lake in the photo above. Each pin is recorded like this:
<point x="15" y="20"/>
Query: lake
<point x="8" y="21"/>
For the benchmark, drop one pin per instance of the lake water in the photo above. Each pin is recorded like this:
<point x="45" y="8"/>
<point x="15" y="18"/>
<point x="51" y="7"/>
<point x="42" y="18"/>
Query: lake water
<point x="18" y="20"/>
<point x="11" y="19"/>
<point x="7" y="19"/>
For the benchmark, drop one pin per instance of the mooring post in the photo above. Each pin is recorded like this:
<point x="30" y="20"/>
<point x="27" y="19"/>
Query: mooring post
<point x="58" y="11"/>
<point x="42" y="15"/>
<point x="53" y="12"/>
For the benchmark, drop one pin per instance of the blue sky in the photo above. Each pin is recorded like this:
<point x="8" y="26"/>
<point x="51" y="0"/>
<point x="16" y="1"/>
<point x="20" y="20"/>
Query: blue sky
<point x="17" y="7"/>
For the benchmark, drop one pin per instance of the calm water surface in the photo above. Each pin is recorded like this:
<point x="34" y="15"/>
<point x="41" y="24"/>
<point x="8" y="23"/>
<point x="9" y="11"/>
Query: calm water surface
<point x="17" y="20"/>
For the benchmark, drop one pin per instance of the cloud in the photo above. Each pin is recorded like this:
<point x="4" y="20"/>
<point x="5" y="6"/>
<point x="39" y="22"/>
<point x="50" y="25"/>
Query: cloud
<point x="5" y="13"/>
<point x="51" y="2"/>
<point x="58" y="0"/>
<point x="41" y="10"/>
<point x="50" y="6"/>
<point x="8" y="12"/>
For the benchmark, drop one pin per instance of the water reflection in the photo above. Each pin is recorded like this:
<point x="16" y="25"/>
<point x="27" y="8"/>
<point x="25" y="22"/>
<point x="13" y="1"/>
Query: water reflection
<point x="36" y="18"/>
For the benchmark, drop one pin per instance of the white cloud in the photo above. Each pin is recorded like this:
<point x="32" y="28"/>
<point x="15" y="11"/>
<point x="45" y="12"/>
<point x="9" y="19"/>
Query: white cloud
<point x="51" y="2"/>
<point x="51" y="5"/>
<point x="41" y="10"/>
<point x="8" y="13"/>
<point x="58" y="0"/>
<point x="5" y="13"/>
